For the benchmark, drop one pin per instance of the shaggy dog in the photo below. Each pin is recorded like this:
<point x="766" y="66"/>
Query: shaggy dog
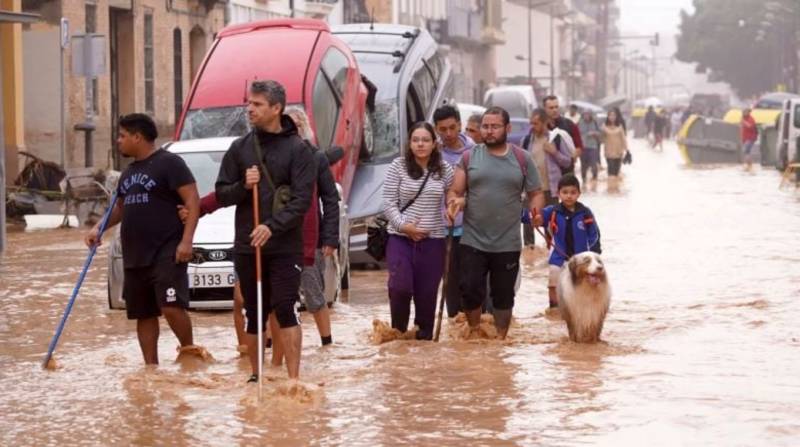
<point x="583" y="296"/>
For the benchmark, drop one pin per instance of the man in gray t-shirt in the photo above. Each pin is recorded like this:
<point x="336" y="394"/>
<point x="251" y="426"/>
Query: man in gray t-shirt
<point x="493" y="179"/>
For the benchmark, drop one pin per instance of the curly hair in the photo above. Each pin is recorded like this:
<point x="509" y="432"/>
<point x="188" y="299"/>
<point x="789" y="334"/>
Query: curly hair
<point x="434" y="164"/>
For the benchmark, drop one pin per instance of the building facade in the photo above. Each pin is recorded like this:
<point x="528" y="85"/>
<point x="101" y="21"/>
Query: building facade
<point x="152" y="50"/>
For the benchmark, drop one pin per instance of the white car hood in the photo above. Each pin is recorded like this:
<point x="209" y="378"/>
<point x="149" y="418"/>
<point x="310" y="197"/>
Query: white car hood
<point x="216" y="228"/>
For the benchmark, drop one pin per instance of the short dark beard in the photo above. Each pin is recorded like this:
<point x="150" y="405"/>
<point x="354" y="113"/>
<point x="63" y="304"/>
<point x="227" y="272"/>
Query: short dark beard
<point x="501" y="142"/>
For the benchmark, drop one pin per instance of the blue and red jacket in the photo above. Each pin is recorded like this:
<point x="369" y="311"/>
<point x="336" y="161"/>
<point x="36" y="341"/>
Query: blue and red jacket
<point x="572" y="232"/>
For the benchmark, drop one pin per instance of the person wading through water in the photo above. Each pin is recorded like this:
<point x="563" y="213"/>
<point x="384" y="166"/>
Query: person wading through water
<point x="413" y="193"/>
<point x="488" y="184"/>
<point x="272" y="156"/>
<point x="156" y="245"/>
<point x="447" y="121"/>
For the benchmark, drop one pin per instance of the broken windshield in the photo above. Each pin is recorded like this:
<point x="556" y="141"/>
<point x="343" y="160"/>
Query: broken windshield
<point x="215" y="122"/>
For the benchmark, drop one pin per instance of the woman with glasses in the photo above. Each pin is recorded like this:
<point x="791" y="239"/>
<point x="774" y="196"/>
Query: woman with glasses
<point x="413" y="193"/>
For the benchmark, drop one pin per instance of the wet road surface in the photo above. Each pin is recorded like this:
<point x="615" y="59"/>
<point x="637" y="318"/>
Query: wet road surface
<point x="702" y="343"/>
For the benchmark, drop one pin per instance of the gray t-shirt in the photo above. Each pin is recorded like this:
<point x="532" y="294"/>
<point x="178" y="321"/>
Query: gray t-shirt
<point x="494" y="187"/>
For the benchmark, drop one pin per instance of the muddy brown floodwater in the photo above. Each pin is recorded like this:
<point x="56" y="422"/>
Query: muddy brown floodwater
<point x="702" y="345"/>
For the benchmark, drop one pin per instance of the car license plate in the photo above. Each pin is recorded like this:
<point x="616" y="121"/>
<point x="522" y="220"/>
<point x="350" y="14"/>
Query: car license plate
<point x="201" y="279"/>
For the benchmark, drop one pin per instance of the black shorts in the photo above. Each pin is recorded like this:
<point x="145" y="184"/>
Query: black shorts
<point x="147" y="289"/>
<point x="502" y="269"/>
<point x="280" y="287"/>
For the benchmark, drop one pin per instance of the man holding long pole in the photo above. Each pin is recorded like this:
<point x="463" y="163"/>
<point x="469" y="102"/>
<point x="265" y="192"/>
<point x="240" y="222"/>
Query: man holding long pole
<point x="276" y="159"/>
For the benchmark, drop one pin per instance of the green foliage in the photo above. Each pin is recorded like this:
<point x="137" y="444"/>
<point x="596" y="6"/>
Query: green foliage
<point x="742" y="42"/>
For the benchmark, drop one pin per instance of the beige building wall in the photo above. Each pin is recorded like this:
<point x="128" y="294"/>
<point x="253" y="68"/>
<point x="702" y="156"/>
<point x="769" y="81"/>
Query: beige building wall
<point x="186" y="15"/>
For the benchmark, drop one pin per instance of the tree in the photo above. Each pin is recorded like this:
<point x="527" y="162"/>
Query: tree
<point x="742" y="42"/>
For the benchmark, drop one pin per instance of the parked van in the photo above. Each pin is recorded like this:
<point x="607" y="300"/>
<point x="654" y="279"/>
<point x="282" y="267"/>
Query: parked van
<point x="788" y="142"/>
<point x="518" y="100"/>
<point x="411" y="79"/>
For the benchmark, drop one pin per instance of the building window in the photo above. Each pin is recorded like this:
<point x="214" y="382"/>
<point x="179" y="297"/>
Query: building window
<point x="91" y="27"/>
<point x="149" y="107"/>
<point x="177" y="69"/>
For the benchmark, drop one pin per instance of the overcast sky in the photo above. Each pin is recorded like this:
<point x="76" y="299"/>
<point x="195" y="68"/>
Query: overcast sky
<point x="648" y="16"/>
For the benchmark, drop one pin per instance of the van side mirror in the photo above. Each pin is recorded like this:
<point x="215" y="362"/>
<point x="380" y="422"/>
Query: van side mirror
<point x="334" y="154"/>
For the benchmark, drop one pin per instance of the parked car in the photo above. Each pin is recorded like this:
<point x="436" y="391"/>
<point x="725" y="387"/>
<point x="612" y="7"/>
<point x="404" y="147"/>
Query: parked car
<point x="411" y="79"/>
<point x="211" y="274"/>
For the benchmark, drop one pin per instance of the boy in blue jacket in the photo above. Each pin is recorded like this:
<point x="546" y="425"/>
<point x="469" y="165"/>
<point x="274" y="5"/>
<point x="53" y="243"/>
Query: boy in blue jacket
<point x="571" y="228"/>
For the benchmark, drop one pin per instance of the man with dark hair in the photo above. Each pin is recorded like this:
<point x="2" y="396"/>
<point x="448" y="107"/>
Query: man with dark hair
<point x="557" y="121"/>
<point x="275" y="158"/>
<point x="496" y="174"/>
<point x="474" y="128"/>
<point x="156" y="245"/>
<point x="447" y="122"/>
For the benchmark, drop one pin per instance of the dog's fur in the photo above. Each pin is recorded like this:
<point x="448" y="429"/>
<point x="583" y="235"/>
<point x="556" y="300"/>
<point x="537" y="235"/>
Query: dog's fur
<point x="584" y="295"/>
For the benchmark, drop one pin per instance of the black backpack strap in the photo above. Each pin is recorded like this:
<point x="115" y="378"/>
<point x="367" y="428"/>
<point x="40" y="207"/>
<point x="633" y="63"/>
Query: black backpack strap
<point x="411" y="202"/>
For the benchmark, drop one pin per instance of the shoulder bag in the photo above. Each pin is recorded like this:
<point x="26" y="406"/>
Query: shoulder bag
<point x="283" y="193"/>
<point x="378" y="232"/>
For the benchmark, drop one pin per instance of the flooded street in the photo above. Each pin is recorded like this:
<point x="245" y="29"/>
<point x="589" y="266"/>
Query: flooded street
<point x="702" y="343"/>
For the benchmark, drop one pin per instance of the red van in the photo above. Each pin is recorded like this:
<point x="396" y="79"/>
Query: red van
<point x="320" y="75"/>
<point x="318" y="70"/>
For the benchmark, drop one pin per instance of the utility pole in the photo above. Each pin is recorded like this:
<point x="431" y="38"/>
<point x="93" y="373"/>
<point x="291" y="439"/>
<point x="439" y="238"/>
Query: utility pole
<point x="552" y="62"/>
<point x="530" y="44"/>
<point x="602" y="68"/>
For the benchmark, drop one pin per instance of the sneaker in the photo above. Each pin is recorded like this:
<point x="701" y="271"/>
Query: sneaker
<point x="253" y="379"/>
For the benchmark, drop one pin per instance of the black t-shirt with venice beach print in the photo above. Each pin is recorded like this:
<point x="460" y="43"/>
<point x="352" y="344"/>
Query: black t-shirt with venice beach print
<point x="148" y="192"/>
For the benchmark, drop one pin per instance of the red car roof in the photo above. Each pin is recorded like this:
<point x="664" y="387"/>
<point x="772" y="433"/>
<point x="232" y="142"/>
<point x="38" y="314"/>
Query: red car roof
<point x="309" y="24"/>
<point x="259" y="50"/>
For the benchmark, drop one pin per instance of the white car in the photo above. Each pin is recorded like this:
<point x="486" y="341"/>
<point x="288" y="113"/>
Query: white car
<point x="211" y="275"/>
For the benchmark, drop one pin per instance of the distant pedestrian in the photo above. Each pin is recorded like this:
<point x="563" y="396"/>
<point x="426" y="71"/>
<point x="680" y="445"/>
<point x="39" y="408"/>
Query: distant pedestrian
<point x="592" y="138"/>
<point x="413" y="193"/>
<point x="574" y="114"/>
<point x="749" y="135"/>
<point x="474" y="128"/>
<point x="650" y="121"/>
<point x="615" y="145"/>
<point x="156" y="245"/>
<point x="659" y="130"/>
<point x="676" y="122"/>
<point x="551" y="106"/>
<point x="493" y="176"/>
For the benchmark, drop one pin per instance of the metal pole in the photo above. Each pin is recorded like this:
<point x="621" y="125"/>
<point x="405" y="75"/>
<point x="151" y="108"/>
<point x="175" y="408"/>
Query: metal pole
<point x="530" y="44"/>
<point x="87" y="63"/>
<point x="61" y="80"/>
<point x="552" y="64"/>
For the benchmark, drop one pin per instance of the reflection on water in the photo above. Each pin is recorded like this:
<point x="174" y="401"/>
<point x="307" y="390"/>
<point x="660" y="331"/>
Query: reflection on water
<point x="700" y="345"/>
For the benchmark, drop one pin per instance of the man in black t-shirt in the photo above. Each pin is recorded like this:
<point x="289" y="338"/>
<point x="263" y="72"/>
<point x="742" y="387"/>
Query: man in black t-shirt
<point x="156" y="245"/>
<point x="272" y="156"/>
